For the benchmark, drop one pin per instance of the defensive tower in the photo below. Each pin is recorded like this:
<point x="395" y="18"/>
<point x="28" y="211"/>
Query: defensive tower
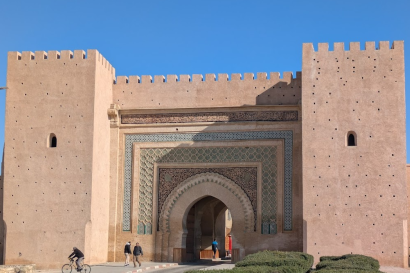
<point x="56" y="188"/>
<point x="354" y="190"/>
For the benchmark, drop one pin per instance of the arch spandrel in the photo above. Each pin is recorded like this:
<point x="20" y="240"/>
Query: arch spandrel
<point x="218" y="186"/>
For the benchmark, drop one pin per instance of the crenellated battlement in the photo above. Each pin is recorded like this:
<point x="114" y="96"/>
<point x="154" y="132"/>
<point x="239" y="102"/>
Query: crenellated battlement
<point x="159" y="79"/>
<point x="209" y="90"/>
<point x="63" y="55"/>
<point x="355" y="46"/>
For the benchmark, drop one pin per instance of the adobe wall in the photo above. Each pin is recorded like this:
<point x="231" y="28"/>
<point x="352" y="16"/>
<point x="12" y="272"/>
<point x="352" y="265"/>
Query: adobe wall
<point x="1" y="211"/>
<point x="283" y="240"/>
<point x="176" y="95"/>
<point x="354" y="198"/>
<point x="55" y="93"/>
<point x="135" y="92"/>
<point x="408" y="204"/>
<point x="98" y="245"/>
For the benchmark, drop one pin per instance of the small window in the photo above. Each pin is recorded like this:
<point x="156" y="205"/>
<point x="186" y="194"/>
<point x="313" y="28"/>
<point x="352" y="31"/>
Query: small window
<point x="52" y="141"/>
<point x="351" y="139"/>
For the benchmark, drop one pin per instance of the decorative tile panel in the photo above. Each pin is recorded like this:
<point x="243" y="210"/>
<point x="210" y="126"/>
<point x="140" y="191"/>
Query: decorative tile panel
<point x="141" y="228"/>
<point x="264" y="154"/>
<point x="210" y="117"/>
<point x="265" y="228"/>
<point x="165" y="154"/>
<point x="273" y="228"/>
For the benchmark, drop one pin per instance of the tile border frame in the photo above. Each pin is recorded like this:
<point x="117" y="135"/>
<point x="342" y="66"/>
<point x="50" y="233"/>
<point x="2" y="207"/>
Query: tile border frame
<point x="286" y="135"/>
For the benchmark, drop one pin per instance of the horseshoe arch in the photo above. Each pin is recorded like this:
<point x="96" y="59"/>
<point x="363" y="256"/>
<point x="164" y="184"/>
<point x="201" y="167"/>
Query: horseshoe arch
<point x="177" y="205"/>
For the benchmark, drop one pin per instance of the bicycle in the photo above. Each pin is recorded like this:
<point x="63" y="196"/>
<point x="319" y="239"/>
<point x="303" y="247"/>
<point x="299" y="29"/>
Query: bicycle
<point x="67" y="268"/>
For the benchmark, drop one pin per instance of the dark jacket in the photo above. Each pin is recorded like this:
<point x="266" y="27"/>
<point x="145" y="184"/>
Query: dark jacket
<point x="127" y="248"/>
<point x="76" y="254"/>
<point x="137" y="251"/>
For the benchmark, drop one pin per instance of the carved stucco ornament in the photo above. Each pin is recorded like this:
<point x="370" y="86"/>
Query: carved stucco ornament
<point x="217" y="180"/>
<point x="113" y="115"/>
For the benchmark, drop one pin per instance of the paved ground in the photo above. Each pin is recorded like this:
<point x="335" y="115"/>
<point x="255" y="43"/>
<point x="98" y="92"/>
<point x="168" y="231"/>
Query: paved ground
<point x="390" y="269"/>
<point x="203" y="265"/>
<point x="221" y="266"/>
<point x="175" y="268"/>
<point x="387" y="269"/>
<point x="120" y="268"/>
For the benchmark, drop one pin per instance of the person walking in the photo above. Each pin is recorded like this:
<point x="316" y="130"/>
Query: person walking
<point x="127" y="252"/>
<point x="137" y="253"/>
<point x="80" y="257"/>
<point x="214" y="247"/>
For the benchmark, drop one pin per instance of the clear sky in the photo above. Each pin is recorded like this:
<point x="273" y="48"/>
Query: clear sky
<point x="197" y="37"/>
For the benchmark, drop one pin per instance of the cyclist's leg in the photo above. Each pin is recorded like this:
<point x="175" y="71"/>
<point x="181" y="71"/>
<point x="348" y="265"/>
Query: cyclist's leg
<point x="78" y="262"/>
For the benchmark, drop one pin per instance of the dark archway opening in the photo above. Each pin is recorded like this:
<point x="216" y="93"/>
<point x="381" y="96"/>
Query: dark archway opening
<point x="208" y="219"/>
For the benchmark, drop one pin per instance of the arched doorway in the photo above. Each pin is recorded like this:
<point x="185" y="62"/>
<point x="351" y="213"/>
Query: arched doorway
<point x="209" y="189"/>
<point x="208" y="219"/>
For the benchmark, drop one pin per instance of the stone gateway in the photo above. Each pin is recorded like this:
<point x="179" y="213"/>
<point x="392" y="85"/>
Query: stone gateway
<point x="313" y="163"/>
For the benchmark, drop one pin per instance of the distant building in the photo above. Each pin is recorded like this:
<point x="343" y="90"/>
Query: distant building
<point x="315" y="163"/>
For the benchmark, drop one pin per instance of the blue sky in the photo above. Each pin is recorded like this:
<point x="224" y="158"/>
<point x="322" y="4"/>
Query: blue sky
<point x="197" y="37"/>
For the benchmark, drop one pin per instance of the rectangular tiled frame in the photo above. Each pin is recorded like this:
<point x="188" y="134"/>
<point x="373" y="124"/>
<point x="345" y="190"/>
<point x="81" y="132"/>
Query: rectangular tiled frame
<point x="287" y="136"/>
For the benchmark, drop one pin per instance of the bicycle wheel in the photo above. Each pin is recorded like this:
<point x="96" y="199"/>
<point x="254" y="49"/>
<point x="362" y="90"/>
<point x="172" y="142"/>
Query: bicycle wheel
<point x="66" y="268"/>
<point x="86" y="269"/>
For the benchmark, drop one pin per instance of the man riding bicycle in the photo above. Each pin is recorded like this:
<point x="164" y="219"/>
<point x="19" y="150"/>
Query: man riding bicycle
<point x="80" y="257"/>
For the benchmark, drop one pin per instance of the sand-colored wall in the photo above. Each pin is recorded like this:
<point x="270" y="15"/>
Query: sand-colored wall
<point x="354" y="198"/>
<point x="183" y="92"/>
<point x="104" y="78"/>
<point x="351" y="201"/>
<point x="49" y="191"/>
<point x="408" y="204"/>
<point x="1" y="211"/>
<point x="284" y="240"/>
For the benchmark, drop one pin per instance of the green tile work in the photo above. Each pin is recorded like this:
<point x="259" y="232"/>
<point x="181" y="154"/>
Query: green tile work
<point x="267" y="155"/>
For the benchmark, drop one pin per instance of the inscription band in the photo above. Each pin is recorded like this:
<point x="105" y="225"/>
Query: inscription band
<point x="210" y="117"/>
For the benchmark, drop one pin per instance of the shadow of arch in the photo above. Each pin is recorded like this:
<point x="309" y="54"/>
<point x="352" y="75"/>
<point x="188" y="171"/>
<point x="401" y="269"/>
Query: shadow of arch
<point x="182" y="198"/>
<point x="200" y="213"/>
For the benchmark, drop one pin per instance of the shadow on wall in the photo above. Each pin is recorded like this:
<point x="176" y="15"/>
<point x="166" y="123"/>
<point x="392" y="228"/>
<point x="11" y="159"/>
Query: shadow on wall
<point x="272" y="92"/>
<point x="287" y="91"/>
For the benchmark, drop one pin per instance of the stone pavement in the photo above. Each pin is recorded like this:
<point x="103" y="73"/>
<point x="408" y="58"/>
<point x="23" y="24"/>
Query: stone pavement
<point x="391" y="269"/>
<point x="119" y="268"/>
<point x="386" y="269"/>
<point x="220" y="266"/>
<point x="153" y="267"/>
